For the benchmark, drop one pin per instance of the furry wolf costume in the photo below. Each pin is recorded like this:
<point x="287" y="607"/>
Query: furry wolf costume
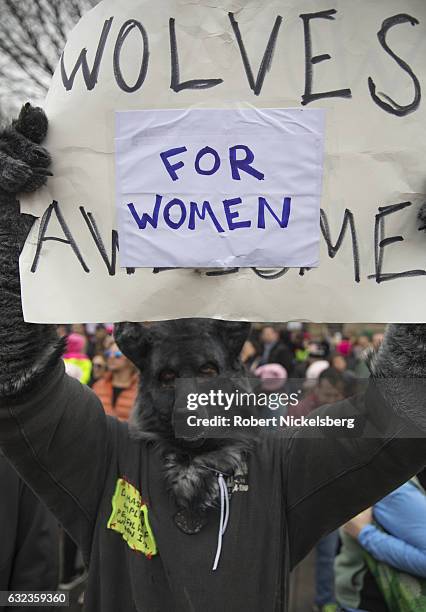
<point x="148" y="510"/>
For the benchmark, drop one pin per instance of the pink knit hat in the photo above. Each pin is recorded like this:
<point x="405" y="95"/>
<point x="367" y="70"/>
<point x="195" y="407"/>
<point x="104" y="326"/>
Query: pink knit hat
<point x="344" y="347"/>
<point x="75" y="344"/>
<point x="272" y="375"/>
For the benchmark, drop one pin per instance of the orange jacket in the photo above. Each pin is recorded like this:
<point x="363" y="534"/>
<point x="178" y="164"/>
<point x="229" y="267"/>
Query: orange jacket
<point x="125" y="401"/>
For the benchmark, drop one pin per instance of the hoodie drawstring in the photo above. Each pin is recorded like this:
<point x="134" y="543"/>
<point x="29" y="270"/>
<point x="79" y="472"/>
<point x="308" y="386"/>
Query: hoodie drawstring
<point x="224" y="516"/>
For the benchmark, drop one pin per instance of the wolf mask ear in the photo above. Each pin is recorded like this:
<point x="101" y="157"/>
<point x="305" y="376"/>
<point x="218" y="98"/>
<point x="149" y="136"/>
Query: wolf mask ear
<point x="134" y="341"/>
<point x="233" y="334"/>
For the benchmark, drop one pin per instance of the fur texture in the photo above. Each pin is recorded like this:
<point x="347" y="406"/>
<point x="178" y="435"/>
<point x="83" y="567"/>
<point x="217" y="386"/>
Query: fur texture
<point x="27" y="351"/>
<point x="191" y="475"/>
<point x="400" y="367"/>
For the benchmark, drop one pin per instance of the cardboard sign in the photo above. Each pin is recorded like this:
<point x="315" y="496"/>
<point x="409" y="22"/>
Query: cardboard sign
<point x="207" y="188"/>
<point x="363" y="63"/>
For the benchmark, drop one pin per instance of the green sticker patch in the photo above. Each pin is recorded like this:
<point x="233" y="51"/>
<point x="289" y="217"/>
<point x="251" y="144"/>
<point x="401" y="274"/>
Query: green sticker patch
<point x="130" y="518"/>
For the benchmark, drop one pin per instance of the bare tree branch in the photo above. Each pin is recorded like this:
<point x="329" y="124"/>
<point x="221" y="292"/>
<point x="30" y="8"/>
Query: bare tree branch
<point x="44" y="22"/>
<point x="33" y="34"/>
<point x="58" y="21"/>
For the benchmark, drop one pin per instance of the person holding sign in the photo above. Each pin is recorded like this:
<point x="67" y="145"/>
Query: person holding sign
<point x="173" y="524"/>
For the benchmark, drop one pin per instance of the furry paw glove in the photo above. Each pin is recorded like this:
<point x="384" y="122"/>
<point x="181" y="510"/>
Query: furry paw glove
<point x="27" y="351"/>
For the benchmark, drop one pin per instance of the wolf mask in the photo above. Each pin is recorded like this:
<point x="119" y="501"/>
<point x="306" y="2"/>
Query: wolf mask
<point x="190" y="349"/>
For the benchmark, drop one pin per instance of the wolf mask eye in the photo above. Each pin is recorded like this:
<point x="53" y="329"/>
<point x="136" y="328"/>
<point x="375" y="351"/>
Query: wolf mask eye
<point x="167" y="378"/>
<point x="208" y="370"/>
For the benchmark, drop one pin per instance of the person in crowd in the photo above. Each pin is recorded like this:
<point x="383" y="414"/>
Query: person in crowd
<point x="29" y="539"/>
<point x="286" y="339"/>
<point x="361" y="345"/>
<point x="362" y="349"/>
<point x="99" y="368"/>
<point x="338" y="362"/>
<point x="75" y="355"/>
<point x="273" y="377"/>
<point x="331" y="386"/>
<point x="109" y="340"/>
<point x="324" y="344"/>
<point x="73" y="370"/>
<point x="299" y="342"/>
<point x="393" y="533"/>
<point x="344" y="347"/>
<point x="97" y="342"/>
<point x="274" y="350"/>
<point x="316" y="351"/>
<point x="312" y="374"/>
<point x="377" y="340"/>
<point x="79" y="328"/>
<point x="118" y="387"/>
<point x="62" y="330"/>
<point x="250" y="355"/>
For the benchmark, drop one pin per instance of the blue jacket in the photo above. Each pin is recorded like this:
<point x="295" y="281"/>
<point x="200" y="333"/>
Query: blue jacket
<point x="402" y="514"/>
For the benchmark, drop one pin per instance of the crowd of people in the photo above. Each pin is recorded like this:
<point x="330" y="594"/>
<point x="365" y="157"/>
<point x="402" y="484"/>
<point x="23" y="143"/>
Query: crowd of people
<point x="362" y="568"/>
<point x="302" y="354"/>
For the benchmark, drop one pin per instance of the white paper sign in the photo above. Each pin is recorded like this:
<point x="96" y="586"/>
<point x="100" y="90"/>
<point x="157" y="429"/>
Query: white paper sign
<point x="209" y="188"/>
<point x="361" y="62"/>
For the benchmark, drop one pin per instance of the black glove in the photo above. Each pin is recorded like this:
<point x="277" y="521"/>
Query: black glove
<point x="27" y="351"/>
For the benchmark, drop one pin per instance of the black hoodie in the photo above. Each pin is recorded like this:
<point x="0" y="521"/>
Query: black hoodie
<point x="29" y="546"/>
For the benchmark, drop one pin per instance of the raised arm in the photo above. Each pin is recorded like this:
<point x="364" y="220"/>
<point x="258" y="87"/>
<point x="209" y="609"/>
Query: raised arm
<point x="27" y="351"/>
<point x="329" y="479"/>
<point x="52" y="428"/>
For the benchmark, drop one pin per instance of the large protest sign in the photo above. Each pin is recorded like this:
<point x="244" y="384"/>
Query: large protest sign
<point x="362" y="62"/>
<point x="250" y="197"/>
